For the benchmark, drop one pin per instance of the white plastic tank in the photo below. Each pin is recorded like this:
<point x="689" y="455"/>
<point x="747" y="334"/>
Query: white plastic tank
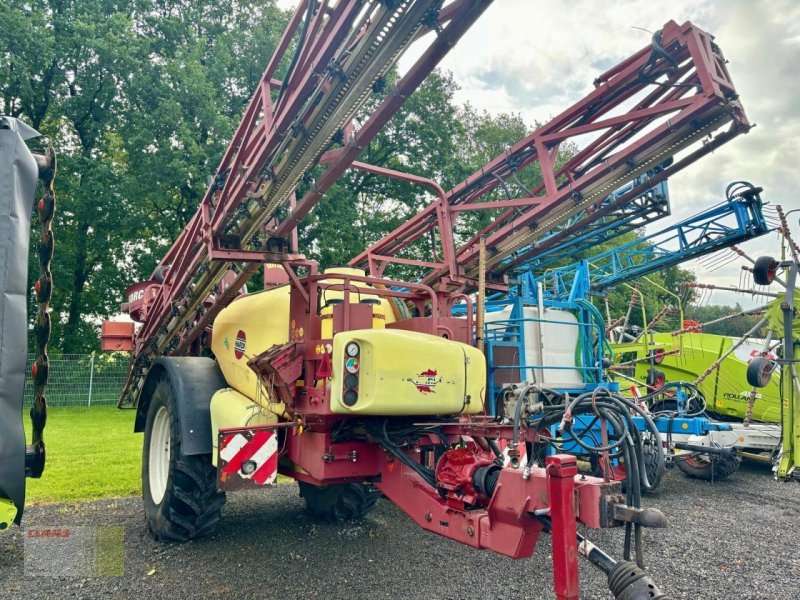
<point x="552" y="342"/>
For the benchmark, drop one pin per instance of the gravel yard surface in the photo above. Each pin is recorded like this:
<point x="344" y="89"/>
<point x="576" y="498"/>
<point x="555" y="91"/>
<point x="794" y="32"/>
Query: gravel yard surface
<point x="732" y="539"/>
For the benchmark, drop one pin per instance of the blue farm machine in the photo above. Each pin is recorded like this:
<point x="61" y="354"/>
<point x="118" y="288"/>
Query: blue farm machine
<point x="548" y="334"/>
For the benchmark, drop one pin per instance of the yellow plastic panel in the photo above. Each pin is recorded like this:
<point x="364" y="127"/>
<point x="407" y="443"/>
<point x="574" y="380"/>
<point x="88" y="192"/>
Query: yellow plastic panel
<point x="409" y="373"/>
<point x="229" y="408"/>
<point x="246" y="328"/>
<point x="254" y="323"/>
<point x="385" y="309"/>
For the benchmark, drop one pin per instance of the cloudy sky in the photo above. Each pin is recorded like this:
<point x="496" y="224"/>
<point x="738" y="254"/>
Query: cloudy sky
<point x="537" y="58"/>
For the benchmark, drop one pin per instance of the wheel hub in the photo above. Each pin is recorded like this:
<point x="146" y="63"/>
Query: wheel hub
<point x="159" y="455"/>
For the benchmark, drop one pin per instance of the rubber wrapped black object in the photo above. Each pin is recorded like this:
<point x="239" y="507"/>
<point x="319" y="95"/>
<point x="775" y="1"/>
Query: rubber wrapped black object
<point x="19" y="174"/>
<point x="759" y="372"/>
<point x="339" y="501"/>
<point x="485" y="479"/>
<point x="628" y="582"/>
<point x="764" y="270"/>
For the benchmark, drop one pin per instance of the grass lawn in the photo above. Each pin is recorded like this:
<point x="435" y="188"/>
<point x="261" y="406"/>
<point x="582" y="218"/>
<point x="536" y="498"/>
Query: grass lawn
<point x="91" y="453"/>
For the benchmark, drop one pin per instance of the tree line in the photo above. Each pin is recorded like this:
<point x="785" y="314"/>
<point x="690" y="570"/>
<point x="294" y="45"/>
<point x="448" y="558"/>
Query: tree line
<point x="140" y="98"/>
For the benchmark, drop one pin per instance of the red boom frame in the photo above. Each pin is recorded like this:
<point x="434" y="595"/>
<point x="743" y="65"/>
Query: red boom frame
<point x="657" y="103"/>
<point x="348" y="48"/>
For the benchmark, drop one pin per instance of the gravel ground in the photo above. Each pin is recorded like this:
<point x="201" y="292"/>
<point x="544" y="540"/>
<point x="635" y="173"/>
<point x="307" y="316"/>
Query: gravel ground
<point x="732" y="539"/>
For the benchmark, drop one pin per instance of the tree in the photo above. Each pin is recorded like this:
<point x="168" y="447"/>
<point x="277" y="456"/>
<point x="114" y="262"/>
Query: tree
<point x="139" y="98"/>
<point x="735" y="326"/>
<point x="197" y="67"/>
<point x="62" y="69"/>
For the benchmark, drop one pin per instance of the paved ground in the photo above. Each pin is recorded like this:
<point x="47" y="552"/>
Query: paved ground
<point x="734" y="539"/>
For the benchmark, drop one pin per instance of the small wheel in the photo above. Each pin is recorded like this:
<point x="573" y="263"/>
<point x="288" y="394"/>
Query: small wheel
<point x="339" y="501"/>
<point x="617" y="473"/>
<point x="657" y="355"/>
<point x="620" y="473"/>
<point x="654" y="470"/>
<point x="179" y="491"/>
<point x="663" y="406"/>
<point x="710" y="467"/>
<point x="160" y="274"/>
<point x="764" y="270"/>
<point x="670" y="405"/>
<point x="759" y="372"/>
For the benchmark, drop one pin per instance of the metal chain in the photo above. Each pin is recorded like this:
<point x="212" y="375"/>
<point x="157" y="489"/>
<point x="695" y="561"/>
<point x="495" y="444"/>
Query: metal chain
<point x="35" y="454"/>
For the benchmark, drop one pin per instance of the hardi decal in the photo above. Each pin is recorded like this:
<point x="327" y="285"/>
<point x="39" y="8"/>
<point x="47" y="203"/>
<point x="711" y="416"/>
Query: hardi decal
<point x="240" y="344"/>
<point x="426" y="381"/>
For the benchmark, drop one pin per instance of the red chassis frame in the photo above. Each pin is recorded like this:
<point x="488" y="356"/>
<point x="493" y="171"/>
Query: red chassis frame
<point x="507" y="521"/>
<point x="505" y="516"/>
<point x="687" y="96"/>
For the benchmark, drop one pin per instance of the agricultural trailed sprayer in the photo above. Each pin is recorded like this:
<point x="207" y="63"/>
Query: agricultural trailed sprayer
<point x="358" y="385"/>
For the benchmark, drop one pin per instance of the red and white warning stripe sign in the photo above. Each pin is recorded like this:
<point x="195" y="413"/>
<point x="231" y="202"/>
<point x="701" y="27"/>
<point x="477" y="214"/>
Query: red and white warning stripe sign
<point x="251" y="455"/>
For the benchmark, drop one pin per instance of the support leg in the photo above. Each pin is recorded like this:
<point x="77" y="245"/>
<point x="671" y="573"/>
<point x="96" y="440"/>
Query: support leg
<point x="561" y="471"/>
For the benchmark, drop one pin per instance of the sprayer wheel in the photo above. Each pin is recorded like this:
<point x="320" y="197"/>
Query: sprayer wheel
<point x="759" y="372"/>
<point x="716" y="469"/>
<point x="764" y="270"/>
<point x="620" y="473"/>
<point x="181" y="501"/>
<point x="339" y="501"/>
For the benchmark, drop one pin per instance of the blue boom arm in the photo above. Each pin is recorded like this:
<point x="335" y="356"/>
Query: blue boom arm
<point x="575" y="237"/>
<point x="729" y="223"/>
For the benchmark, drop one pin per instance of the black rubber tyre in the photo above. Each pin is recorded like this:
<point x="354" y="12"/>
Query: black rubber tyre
<point x="759" y="372"/>
<point x="764" y="270"/>
<point x="339" y="501"/>
<point x="190" y="505"/>
<point x="654" y="474"/>
<point x="716" y="469"/>
<point x="160" y="274"/>
<point x="670" y="405"/>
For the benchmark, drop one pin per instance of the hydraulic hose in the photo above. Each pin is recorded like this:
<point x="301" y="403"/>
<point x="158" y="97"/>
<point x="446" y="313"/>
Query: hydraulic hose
<point x="518" y="413"/>
<point x="605" y="403"/>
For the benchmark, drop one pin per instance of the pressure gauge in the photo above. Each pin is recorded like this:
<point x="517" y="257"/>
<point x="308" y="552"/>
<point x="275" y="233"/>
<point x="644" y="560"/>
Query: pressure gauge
<point x="351" y="349"/>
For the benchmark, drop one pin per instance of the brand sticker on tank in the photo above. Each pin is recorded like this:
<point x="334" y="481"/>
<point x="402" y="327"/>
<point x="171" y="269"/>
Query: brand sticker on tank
<point x="240" y="344"/>
<point x="426" y="381"/>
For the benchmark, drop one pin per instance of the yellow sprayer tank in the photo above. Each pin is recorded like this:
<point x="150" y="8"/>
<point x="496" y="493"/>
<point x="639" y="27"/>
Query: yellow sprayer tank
<point x="256" y="322"/>
<point x="401" y="372"/>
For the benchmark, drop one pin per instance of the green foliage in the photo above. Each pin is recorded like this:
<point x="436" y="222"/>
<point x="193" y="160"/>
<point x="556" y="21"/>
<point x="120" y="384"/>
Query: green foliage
<point x="421" y="138"/>
<point x="62" y="71"/>
<point x="197" y="65"/>
<point x="651" y="294"/>
<point x="140" y="99"/>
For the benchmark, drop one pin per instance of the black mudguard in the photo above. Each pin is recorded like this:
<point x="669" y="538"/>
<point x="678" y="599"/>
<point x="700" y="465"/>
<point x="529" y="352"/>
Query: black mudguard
<point x="194" y="381"/>
<point x="18" y="176"/>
